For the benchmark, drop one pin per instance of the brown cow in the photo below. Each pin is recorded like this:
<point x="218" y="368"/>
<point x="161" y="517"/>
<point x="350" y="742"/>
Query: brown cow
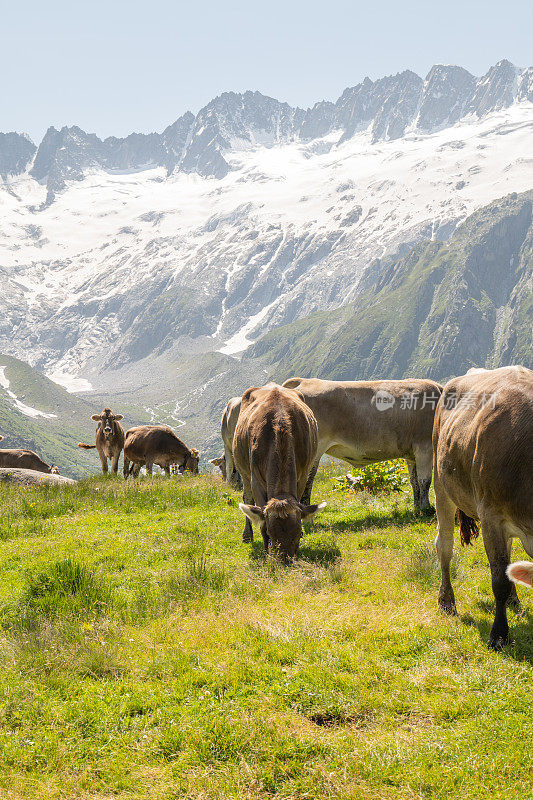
<point x="227" y="431"/>
<point x="483" y="466"/>
<point x="147" y="445"/>
<point x="221" y="464"/>
<point x="109" y="438"/>
<point x="362" y="422"/>
<point x="274" y="448"/>
<point x="25" y="459"/>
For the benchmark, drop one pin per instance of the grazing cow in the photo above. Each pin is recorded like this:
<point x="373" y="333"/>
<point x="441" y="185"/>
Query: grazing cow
<point x="25" y="459"/>
<point x="221" y="464"/>
<point x="147" y="445"/>
<point x="483" y="467"/>
<point x="109" y="438"/>
<point x="274" y="448"/>
<point x="227" y="431"/>
<point x="362" y="422"/>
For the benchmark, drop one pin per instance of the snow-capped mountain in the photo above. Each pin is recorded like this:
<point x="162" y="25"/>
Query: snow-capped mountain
<point x="249" y="215"/>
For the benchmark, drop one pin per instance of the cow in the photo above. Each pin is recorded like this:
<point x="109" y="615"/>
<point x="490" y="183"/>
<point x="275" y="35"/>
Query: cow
<point x="25" y="459"/>
<point x="221" y="464"/>
<point x="109" y="439"/>
<point x="362" y="422"/>
<point x="147" y="445"/>
<point x="227" y="431"/>
<point x="483" y="467"/>
<point x="274" y="448"/>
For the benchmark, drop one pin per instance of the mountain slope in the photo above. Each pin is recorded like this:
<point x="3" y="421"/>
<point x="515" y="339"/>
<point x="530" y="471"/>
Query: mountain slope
<point x="438" y="311"/>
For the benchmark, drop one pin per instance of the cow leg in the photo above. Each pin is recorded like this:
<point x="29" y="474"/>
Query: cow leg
<point x="114" y="464"/>
<point x="424" y="468"/>
<point x="306" y="497"/>
<point x="444" y="546"/>
<point x="167" y="470"/>
<point x="496" y="547"/>
<point x="135" y="469"/>
<point x="149" y="466"/>
<point x="126" y="467"/>
<point x="413" y="478"/>
<point x="247" y="496"/>
<point x="513" y="601"/>
<point x="230" y="466"/>
<point x="103" y="460"/>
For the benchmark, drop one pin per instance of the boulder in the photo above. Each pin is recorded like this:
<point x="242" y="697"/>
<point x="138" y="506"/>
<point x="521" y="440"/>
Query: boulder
<point x="30" y="477"/>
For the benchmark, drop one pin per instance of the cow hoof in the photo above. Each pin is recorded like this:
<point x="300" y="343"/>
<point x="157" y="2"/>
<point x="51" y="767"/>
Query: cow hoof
<point x="427" y="511"/>
<point x="498" y="643"/>
<point x="247" y="539"/>
<point x="448" y="606"/>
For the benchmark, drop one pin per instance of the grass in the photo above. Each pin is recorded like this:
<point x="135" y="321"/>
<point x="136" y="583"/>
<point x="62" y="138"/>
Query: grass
<point x="148" y="653"/>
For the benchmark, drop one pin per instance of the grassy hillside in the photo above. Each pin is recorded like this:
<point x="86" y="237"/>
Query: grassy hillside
<point x="148" y="653"/>
<point x="437" y="311"/>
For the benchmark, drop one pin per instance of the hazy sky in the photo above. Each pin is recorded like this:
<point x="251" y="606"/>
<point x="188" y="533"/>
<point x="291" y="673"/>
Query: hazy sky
<point x="117" y="66"/>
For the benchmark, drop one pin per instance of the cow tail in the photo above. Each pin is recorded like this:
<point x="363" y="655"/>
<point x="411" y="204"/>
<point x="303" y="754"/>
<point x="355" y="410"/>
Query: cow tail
<point x="468" y="526"/>
<point x="87" y="446"/>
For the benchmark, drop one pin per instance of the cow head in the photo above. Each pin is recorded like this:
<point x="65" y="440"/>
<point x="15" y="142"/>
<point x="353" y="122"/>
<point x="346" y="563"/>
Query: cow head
<point x="192" y="460"/>
<point x="54" y="470"/>
<point x="107" y="420"/>
<point x="281" y="522"/>
<point x="221" y="464"/>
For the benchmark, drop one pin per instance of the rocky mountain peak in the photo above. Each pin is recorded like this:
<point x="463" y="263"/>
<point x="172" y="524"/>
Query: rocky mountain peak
<point x="16" y="153"/>
<point x="495" y="90"/>
<point x="385" y="108"/>
<point x="447" y="90"/>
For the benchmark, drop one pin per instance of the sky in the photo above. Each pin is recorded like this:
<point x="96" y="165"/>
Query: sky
<point x="115" y="67"/>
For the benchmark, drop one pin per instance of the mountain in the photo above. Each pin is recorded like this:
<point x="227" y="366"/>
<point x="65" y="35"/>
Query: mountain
<point x="141" y="267"/>
<point x="16" y="153"/>
<point x="437" y="311"/>
<point x="386" y="107"/>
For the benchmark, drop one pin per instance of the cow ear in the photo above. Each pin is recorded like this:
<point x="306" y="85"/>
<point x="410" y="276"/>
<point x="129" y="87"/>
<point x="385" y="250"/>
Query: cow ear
<point x="118" y="417"/>
<point x="521" y="572"/>
<point x="96" y="417"/>
<point x="254" y="513"/>
<point x="308" y="512"/>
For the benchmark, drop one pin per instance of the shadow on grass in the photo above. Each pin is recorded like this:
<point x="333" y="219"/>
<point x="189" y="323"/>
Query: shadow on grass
<point x="395" y="517"/>
<point x="520" y="647"/>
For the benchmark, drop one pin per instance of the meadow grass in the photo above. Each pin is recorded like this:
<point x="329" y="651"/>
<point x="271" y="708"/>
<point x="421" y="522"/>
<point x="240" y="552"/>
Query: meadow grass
<point x="148" y="653"/>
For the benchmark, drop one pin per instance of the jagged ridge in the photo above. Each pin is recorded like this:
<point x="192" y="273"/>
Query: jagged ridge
<point x="386" y="107"/>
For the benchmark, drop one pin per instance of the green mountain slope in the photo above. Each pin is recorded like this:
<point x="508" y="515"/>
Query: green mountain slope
<point x="437" y="311"/>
